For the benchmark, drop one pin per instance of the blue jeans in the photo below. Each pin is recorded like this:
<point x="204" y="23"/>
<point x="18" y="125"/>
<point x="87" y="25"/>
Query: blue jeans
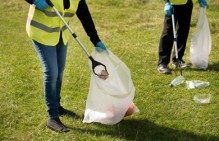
<point x="53" y="60"/>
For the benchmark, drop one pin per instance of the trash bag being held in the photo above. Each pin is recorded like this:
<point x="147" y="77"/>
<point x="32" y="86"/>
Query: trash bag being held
<point x="201" y="42"/>
<point x="108" y="100"/>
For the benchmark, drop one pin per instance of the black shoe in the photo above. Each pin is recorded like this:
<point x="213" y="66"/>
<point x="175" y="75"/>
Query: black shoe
<point x="56" y="125"/>
<point x="65" y="112"/>
<point x="163" y="68"/>
<point x="181" y="64"/>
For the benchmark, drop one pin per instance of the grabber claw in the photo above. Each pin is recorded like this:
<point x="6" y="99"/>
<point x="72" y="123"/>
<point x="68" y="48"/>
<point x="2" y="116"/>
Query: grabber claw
<point x="177" y="65"/>
<point x="104" y="73"/>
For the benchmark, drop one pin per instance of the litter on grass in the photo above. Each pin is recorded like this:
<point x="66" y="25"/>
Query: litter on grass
<point x="196" y="84"/>
<point x="177" y="81"/>
<point x="202" y="98"/>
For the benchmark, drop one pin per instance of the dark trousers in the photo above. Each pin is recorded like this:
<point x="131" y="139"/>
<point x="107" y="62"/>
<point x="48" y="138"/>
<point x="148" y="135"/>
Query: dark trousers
<point x="182" y="14"/>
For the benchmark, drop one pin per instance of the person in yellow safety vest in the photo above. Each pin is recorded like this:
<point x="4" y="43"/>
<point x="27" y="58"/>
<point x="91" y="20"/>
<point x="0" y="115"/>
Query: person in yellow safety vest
<point x="182" y="10"/>
<point x="50" y="38"/>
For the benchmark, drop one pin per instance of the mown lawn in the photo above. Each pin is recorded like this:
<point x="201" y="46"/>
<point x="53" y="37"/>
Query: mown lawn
<point x="131" y="30"/>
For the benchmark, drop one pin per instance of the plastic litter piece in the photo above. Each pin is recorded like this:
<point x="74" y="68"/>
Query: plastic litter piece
<point x="202" y="98"/>
<point x="101" y="72"/>
<point x="196" y="84"/>
<point x="177" y="81"/>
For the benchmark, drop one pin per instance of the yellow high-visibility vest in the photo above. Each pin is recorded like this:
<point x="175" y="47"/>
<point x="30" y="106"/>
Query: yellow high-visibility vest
<point x="180" y="2"/>
<point x="45" y="26"/>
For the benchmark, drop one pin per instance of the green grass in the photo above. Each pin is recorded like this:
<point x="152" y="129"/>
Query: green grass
<point x="131" y="30"/>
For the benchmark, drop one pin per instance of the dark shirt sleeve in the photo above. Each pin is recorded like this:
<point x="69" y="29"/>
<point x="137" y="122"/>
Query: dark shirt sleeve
<point x="84" y="16"/>
<point x="29" y="1"/>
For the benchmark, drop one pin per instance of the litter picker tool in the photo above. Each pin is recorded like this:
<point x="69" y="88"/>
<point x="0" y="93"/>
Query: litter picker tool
<point x="177" y="64"/>
<point x="94" y="62"/>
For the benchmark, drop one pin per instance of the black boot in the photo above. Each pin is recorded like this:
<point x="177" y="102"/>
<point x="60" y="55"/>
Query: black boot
<point x="56" y="125"/>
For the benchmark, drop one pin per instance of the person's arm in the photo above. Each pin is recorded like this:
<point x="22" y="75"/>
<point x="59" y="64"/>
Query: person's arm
<point x="29" y="1"/>
<point x="84" y="16"/>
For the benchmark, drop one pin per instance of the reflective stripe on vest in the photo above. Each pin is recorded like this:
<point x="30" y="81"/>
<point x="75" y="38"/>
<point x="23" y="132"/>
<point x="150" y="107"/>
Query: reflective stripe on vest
<point x="179" y="2"/>
<point x="45" y="26"/>
<point x="53" y="14"/>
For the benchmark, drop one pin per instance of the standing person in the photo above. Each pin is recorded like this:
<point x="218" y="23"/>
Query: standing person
<point x="50" y="38"/>
<point x="182" y="10"/>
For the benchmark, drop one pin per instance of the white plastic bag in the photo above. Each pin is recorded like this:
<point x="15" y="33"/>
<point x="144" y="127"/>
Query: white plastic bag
<point x="108" y="100"/>
<point x="201" y="42"/>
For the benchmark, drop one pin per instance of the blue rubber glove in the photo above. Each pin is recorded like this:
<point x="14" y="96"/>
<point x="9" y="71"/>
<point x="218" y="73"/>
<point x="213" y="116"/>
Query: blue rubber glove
<point x="168" y="9"/>
<point x="100" y="47"/>
<point x="41" y="4"/>
<point x="203" y="3"/>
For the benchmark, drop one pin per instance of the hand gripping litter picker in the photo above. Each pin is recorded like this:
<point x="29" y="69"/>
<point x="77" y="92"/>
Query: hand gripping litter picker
<point x="175" y="45"/>
<point x="94" y="62"/>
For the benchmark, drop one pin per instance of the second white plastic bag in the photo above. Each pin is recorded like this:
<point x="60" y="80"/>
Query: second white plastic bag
<point x="201" y="42"/>
<point x="108" y="100"/>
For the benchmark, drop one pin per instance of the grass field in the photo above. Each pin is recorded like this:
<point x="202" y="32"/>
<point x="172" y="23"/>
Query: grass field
<point x="131" y="30"/>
